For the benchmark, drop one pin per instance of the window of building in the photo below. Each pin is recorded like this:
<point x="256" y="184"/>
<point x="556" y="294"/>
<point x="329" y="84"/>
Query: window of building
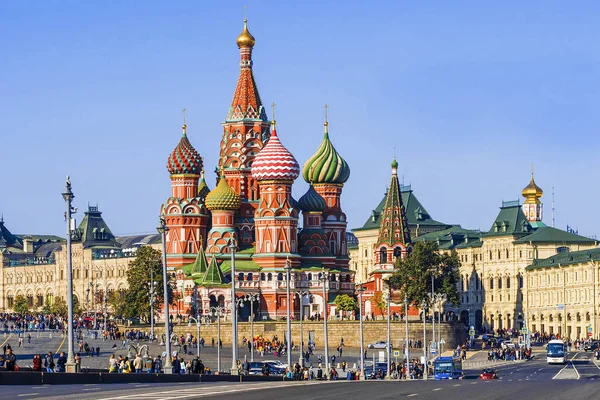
<point x="508" y="282"/>
<point x="383" y="255"/>
<point x="499" y="283"/>
<point x="491" y="283"/>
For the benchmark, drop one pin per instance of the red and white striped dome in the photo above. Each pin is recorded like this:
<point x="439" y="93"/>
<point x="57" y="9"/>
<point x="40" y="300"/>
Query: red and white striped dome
<point x="275" y="162"/>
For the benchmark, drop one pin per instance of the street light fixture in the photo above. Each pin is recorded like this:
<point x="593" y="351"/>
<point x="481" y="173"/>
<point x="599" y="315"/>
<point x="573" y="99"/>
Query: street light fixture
<point x="71" y="365"/>
<point x="198" y="323"/>
<point x="252" y="297"/>
<point x="360" y="289"/>
<point x="152" y="284"/>
<point x="218" y="313"/>
<point x="324" y="279"/>
<point x="406" y="322"/>
<point x="163" y="229"/>
<point x="301" y="294"/>
<point x="288" y="269"/>
<point x="425" y="364"/>
<point x="389" y="335"/>
<point x="234" y="335"/>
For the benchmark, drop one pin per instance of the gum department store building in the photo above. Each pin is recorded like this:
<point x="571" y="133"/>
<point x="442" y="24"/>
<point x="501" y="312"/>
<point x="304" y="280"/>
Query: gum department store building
<point x="520" y="271"/>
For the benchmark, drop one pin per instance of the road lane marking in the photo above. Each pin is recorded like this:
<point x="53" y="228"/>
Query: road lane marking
<point x="27" y="394"/>
<point x="61" y="343"/>
<point x="9" y="336"/>
<point x="436" y="389"/>
<point x="458" y="384"/>
<point x="412" y="394"/>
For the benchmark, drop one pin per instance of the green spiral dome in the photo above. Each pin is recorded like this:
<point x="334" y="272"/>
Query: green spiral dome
<point x="326" y="165"/>
<point x="222" y="198"/>
<point x="312" y="201"/>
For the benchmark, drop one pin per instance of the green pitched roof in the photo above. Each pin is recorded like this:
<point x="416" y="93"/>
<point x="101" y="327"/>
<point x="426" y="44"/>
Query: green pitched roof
<point x="93" y="231"/>
<point x="511" y="221"/>
<point x="240" y="266"/>
<point x="213" y="274"/>
<point x="415" y="212"/>
<point x="453" y="237"/>
<point x="200" y="265"/>
<point x="566" y="258"/>
<point x="548" y="234"/>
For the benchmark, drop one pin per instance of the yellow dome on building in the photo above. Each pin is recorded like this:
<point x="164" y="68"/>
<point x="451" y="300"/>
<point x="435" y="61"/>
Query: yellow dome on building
<point x="532" y="192"/>
<point x="222" y="198"/>
<point x="245" y="39"/>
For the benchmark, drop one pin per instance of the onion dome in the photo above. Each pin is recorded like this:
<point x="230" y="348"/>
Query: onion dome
<point x="312" y="201"/>
<point x="326" y="165"/>
<point x="184" y="159"/>
<point x="203" y="189"/>
<point x="274" y="161"/>
<point x="532" y="192"/>
<point x="245" y="39"/>
<point x="395" y="163"/>
<point x="222" y="198"/>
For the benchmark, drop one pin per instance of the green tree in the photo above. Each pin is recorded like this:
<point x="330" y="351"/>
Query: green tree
<point x="412" y="275"/>
<point x="345" y="303"/>
<point x="59" y="307"/>
<point x="380" y="302"/>
<point x="21" y="306"/>
<point x="117" y="303"/>
<point x="147" y="263"/>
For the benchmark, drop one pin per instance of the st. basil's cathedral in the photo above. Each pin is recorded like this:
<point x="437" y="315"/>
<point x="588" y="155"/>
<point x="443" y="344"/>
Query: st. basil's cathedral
<point x="252" y="210"/>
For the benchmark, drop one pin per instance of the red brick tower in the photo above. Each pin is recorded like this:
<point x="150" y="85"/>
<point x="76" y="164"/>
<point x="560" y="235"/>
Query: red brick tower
<point x="245" y="132"/>
<point x="184" y="211"/>
<point x="276" y="219"/>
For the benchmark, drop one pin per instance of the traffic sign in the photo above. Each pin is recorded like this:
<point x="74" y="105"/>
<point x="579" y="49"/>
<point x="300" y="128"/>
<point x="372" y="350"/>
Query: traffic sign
<point x="396" y="353"/>
<point x="433" y="350"/>
<point x="589" y="334"/>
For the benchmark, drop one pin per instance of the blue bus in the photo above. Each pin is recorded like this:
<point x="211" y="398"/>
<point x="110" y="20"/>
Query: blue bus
<point x="447" y="368"/>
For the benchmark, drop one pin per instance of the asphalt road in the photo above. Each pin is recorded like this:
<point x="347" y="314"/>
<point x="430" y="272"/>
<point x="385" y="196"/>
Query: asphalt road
<point x="533" y="379"/>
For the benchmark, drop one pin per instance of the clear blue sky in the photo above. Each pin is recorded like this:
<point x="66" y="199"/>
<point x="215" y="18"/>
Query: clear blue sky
<point x="470" y="93"/>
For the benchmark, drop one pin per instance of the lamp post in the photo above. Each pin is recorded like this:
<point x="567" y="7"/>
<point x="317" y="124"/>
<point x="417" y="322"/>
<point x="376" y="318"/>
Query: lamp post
<point x="163" y="229"/>
<point x="105" y="314"/>
<point x="301" y="294"/>
<point x="389" y="335"/>
<point x="68" y="196"/>
<point x="197" y="321"/>
<point x="406" y="323"/>
<point x="234" y="336"/>
<point x="423" y="307"/>
<point x="152" y="284"/>
<point x="252" y="297"/>
<point x="87" y="299"/>
<point x="432" y="298"/>
<point x="440" y="299"/>
<point x="218" y="312"/>
<point x="323" y="279"/>
<point x="360" y="290"/>
<point x="288" y="269"/>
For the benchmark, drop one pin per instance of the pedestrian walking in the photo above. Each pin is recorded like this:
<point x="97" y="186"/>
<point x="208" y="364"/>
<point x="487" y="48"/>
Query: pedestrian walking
<point x="49" y="362"/>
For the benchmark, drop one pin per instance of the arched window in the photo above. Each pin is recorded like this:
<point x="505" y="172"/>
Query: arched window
<point x="508" y="282"/>
<point x="332" y="277"/>
<point x="491" y="283"/>
<point x="309" y="276"/>
<point x="221" y="301"/>
<point x="262" y="276"/>
<point x="383" y="255"/>
<point x="506" y="253"/>
<point x="250" y="277"/>
<point x="280" y="276"/>
<point x="240" y="277"/>
<point x="270" y="277"/>
<point x="347" y="277"/>
<point x="500" y="283"/>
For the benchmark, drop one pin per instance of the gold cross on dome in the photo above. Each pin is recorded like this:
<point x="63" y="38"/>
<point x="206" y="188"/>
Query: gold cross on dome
<point x="184" y="114"/>
<point x="326" y="107"/>
<point x="273" y="108"/>
<point x="245" y="9"/>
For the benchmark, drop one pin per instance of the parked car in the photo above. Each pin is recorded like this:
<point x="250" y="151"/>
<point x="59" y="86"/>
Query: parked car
<point x="276" y="367"/>
<point x="591" y="346"/>
<point x="382" y="344"/>
<point x="488" y="373"/>
<point x="255" y="368"/>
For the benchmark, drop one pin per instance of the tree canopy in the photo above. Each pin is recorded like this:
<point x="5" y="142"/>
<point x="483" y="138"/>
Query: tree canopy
<point x="20" y="305"/>
<point x="345" y="303"/>
<point x="146" y="267"/>
<point x="412" y="275"/>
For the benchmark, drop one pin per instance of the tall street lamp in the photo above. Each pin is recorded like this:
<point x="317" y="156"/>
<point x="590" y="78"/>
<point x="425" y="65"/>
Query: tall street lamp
<point x="152" y="285"/>
<point x="163" y="229"/>
<point x="252" y="297"/>
<point x="389" y="336"/>
<point x="234" y="336"/>
<point x="440" y="299"/>
<point x="288" y="269"/>
<point x="68" y="196"/>
<point x="360" y="290"/>
<point x="218" y="312"/>
<point x="423" y="307"/>
<point x="198" y="323"/>
<point x="301" y="294"/>
<point x="406" y="322"/>
<point x="324" y="279"/>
